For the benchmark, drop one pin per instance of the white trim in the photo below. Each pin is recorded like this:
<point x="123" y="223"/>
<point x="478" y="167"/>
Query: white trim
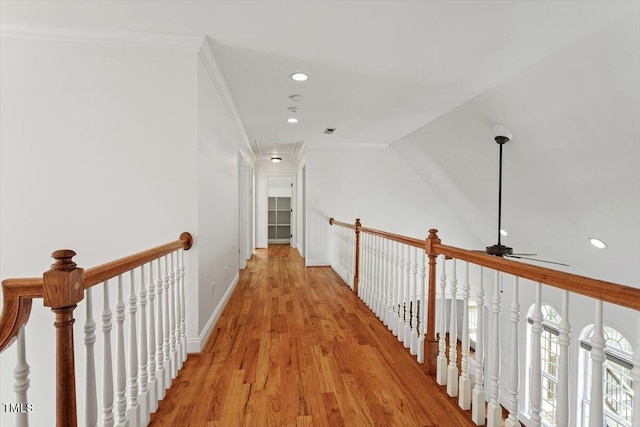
<point x="195" y="345"/>
<point x="95" y="36"/>
<point x="317" y="263"/>
<point x="209" y="59"/>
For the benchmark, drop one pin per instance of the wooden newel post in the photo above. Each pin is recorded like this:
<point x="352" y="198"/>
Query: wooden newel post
<point x="63" y="289"/>
<point x="431" y="342"/>
<point x="356" y="276"/>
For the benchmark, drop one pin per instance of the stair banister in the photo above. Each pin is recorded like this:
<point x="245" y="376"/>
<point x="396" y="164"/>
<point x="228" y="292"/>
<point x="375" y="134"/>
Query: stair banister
<point x="434" y="357"/>
<point x="62" y="287"/>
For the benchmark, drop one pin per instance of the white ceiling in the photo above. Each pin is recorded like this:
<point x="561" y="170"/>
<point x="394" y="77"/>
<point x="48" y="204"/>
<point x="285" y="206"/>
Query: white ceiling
<point x="378" y="69"/>
<point x="430" y="78"/>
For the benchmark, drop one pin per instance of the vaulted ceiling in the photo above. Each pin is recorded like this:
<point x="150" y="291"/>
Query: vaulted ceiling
<point x="378" y="69"/>
<point x="429" y="79"/>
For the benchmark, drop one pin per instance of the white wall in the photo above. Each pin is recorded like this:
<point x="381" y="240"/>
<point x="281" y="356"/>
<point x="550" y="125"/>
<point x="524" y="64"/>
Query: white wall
<point x="218" y="142"/>
<point x="97" y="154"/>
<point x="377" y="186"/>
<point x="110" y="149"/>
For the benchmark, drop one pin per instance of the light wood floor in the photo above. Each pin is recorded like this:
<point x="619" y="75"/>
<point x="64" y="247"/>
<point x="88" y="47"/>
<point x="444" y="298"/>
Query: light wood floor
<point x="295" y="347"/>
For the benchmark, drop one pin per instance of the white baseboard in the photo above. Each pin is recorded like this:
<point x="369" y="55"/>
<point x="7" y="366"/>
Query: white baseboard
<point x="316" y="263"/>
<point x="195" y="345"/>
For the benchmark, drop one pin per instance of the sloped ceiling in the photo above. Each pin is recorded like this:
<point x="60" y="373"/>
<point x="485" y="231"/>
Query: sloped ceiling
<point x="431" y="78"/>
<point x="379" y="69"/>
<point x="572" y="169"/>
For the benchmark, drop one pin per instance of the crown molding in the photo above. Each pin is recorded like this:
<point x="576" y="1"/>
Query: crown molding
<point x="209" y="59"/>
<point x="199" y="44"/>
<point x="102" y="36"/>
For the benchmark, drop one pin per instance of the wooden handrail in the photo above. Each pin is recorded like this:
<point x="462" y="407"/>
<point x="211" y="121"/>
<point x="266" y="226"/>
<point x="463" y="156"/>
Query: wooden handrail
<point x="622" y="295"/>
<point x="96" y="275"/>
<point x="342" y="224"/>
<point x="395" y="237"/>
<point x="18" y="293"/>
<point x="17" y="297"/>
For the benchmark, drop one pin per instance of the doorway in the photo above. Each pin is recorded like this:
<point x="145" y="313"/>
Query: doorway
<point x="279" y="210"/>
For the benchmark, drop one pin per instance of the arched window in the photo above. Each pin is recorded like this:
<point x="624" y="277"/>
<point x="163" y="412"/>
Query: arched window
<point x="618" y="384"/>
<point x="549" y="353"/>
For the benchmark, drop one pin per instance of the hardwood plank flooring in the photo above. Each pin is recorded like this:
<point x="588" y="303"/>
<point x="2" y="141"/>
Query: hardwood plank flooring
<point x="295" y="347"/>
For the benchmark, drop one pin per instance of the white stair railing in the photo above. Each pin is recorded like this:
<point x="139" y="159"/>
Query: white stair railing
<point x="393" y="272"/>
<point x="130" y="389"/>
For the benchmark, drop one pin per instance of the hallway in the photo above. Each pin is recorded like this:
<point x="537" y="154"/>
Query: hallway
<point x="294" y="346"/>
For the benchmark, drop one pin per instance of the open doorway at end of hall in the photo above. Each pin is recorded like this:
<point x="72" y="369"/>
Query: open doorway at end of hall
<point x="279" y="210"/>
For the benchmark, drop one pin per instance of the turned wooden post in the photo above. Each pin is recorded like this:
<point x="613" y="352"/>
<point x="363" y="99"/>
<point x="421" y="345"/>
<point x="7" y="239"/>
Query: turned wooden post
<point x="431" y="343"/>
<point x="63" y="289"/>
<point x="356" y="276"/>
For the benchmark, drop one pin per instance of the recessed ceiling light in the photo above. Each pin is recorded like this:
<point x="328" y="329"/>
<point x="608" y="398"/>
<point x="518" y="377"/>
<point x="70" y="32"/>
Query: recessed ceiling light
<point x="292" y="120"/>
<point x="597" y="243"/>
<point x="296" y="98"/>
<point x="298" y="76"/>
<point x="504" y="232"/>
<point x="276" y="159"/>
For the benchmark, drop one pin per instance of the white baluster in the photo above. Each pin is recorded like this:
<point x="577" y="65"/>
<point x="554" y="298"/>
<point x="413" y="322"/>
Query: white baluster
<point x="635" y="375"/>
<point x="464" y="389"/>
<point x="107" y="368"/>
<point x="478" y="409"/>
<point x="168" y="362"/>
<point x="172" y="318"/>
<point x="21" y="377"/>
<point x="183" y="330"/>
<point x="176" y="291"/>
<point x="413" y="305"/>
<point x="564" y="341"/>
<point x="397" y="277"/>
<point x="91" y="401"/>
<point x="352" y="257"/>
<point x="384" y="258"/>
<point x="406" y="285"/>
<point x="363" y="288"/>
<point x="121" y="374"/>
<point x="143" y="361"/>
<point x="441" y="363"/>
<point x="133" y="413"/>
<point x="376" y="276"/>
<point x="422" y="322"/>
<point x="160" y="372"/>
<point x="389" y="284"/>
<point x="536" y="367"/>
<point x="153" y="381"/>
<point x="381" y="281"/>
<point x="597" y="359"/>
<point x="514" y="369"/>
<point x="494" y="411"/>
<point x="452" y="370"/>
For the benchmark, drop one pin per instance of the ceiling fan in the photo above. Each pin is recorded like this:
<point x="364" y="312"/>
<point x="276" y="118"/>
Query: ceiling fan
<point x="502" y="136"/>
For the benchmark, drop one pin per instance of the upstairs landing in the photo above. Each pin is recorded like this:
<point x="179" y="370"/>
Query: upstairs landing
<point x="294" y="346"/>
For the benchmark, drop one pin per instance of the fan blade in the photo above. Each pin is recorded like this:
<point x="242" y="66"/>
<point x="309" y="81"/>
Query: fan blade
<point x="539" y="260"/>
<point x="525" y="254"/>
